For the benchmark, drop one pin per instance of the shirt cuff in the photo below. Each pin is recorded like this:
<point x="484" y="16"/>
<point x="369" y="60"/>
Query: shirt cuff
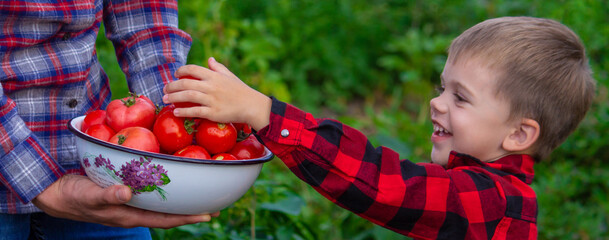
<point x="285" y="123"/>
<point x="28" y="170"/>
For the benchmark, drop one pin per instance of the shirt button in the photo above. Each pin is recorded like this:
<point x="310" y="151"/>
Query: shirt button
<point x="72" y="103"/>
<point x="285" y="133"/>
<point x="66" y="36"/>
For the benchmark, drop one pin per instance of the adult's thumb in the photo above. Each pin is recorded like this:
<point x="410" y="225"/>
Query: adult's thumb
<point x="123" y="194"/>
<point x="116" y="194"/>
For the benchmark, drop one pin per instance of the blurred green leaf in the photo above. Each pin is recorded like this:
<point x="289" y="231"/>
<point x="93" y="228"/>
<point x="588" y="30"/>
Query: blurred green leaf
<point x="292" y="205"/>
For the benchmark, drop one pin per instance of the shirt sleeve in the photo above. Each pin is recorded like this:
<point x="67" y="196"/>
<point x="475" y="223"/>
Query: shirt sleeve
<point x="26" y="167"/>
<point x="148" y="43"/>
<point x="341" y="164"/>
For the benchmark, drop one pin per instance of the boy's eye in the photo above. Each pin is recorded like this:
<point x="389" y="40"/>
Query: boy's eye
<point x="439" y="89"/>
<point x="459" y="98"/>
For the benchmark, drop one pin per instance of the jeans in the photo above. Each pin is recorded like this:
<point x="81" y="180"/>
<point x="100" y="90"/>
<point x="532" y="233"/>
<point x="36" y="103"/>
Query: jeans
<point x="43" y="226"/>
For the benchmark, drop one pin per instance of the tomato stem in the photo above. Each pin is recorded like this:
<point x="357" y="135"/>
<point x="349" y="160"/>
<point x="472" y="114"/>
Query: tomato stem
<point x="130" y="101"/>
<point x="157" y="109"/>
<point x="121" y="139"/>
<point x="242" y="135"/>
<point x="189" y="125"/>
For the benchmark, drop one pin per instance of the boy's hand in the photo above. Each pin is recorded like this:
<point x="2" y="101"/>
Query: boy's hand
<point x="78" y="198"/>
<point x="222" y="95"/>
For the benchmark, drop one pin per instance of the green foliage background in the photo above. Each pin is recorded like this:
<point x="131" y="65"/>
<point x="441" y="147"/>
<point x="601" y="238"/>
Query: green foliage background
<point x="373" y="65"/>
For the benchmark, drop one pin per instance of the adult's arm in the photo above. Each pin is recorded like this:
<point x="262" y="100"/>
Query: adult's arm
<point x="78" y="198"/>
<point x="148" y="43"/>
<point x="144" y="34"/>
<point x="26" y="167"/>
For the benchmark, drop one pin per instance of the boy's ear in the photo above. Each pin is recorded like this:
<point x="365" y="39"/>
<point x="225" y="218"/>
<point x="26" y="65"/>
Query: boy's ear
<point x="522" y="136"/>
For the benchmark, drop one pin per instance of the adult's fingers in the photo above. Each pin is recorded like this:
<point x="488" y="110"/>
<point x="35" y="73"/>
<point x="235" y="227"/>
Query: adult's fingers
<point x="110" y="210"/>
<point x="78" y="198"/>
<point x="128" y="217"/>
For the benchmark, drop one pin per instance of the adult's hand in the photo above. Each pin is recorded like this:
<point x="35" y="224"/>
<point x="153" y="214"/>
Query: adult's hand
<point x="78" y="198"/>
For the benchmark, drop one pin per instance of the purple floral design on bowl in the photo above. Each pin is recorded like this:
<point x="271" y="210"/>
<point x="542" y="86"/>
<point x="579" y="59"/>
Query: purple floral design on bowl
<point x="140" y="175"/>
<point x="143" y="176"/>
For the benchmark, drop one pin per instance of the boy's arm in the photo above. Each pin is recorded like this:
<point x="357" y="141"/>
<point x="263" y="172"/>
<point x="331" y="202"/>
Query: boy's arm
<point x="337" y="160"/>
<point x="148" y="43"/>
<point x="342" y="165"/>
<point x="470" y="200"/>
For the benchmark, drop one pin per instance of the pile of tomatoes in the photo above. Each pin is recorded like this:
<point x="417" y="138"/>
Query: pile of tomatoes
<point x="136" y="122"/>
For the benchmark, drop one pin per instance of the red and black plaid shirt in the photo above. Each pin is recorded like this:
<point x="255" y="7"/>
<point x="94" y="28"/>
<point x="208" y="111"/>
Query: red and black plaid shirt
<point x="468" y="199"/>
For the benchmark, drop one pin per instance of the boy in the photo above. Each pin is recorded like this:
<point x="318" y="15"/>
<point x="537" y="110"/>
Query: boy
<point x="513" y="89"/>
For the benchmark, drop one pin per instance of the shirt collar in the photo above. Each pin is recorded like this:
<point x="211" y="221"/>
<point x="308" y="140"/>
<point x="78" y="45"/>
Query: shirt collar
<point x="518" y="165"/>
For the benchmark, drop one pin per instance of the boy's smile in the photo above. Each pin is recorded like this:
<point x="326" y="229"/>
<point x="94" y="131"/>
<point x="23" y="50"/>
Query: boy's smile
<point x="439" y="133"/>
<point x="468" y="116"/>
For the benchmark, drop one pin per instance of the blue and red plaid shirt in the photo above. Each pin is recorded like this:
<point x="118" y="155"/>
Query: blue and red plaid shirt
<point x="468" y="199"/>
<point x="50" y="73"/>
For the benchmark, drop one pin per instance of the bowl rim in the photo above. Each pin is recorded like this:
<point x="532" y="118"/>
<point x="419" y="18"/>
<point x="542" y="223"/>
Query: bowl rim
<point x="267" y="157"/>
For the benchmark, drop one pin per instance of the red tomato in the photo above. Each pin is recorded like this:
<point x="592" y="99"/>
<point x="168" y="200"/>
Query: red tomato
<point x="130" y="111"/>
<point x="224" y="156"/>
<point x="173" y="133"/>
<point x="100" y="131"/>
<point x="216" y="137"/>
<point x="92" y="118"/>
<point x="147" y="100"/>
<point x="248" y="149"/>
<point x="193" y="151"/>
<point x="186" y="104"/>
<point x="137" y="138"/>
<point x="243" y="127"/>
<point x="243" y="130"/>
<point x="168" y="108"/>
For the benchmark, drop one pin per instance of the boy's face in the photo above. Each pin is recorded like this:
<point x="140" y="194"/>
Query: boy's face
<point x="468" y="116"/>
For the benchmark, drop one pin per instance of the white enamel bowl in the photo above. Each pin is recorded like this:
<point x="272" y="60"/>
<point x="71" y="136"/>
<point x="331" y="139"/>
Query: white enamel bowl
<point x="166" y="183"/>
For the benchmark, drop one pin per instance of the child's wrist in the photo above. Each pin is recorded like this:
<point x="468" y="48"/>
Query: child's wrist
<point x="259" y="115"/>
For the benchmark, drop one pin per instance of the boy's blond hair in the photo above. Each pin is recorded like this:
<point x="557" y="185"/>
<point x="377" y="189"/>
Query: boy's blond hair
<point x="542" y="71"/>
